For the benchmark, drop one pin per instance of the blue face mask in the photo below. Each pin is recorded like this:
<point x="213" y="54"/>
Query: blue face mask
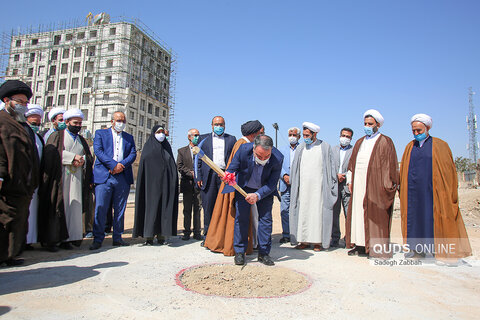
<point x="61" y="126"/>
<point x="420" y="137"/>
<point x="368" y="130"/>
<point x="218" y="130"/>
<point x="34" y="128"/>
<point x="308" y="141"/>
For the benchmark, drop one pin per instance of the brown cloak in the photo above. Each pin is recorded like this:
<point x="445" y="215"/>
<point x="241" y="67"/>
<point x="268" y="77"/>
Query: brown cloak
<point x="18" y="166"/>
<point x="220" y="232"/>
<point x="448" y="226"/>
<point x="382" y="182"/>
<point x="52" y="227"/>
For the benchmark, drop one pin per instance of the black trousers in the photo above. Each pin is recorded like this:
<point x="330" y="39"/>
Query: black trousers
<point x="191" y="201"/>
<point x="13" y="235"/>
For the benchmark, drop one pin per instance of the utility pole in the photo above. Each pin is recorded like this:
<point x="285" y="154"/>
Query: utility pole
<point x="472" y="128"/>
<point x="275" y="126"/>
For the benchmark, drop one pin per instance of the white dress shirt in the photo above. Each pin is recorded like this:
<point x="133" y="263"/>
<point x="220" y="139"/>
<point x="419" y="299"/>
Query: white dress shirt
<point x="342" y="158"/>
<point x="218" y="146"/>
<point x="117" y="146"/>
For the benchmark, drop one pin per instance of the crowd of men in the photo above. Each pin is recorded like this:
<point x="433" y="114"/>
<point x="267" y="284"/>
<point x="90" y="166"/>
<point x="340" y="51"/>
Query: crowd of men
<point x="55" y="189"/>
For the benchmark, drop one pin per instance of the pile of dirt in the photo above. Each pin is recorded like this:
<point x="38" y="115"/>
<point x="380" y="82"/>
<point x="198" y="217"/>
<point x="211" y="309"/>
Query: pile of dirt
<point x="250" y="281"/>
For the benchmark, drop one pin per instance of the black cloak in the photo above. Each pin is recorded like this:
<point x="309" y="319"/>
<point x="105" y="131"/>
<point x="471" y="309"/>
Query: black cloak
<point x="156" y="196"/>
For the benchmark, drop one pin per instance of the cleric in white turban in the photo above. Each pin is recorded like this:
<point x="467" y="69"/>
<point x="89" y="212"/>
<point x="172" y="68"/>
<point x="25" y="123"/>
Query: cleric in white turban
<point x="311" y="126"/>
<point x="34" y="109"/>
<point x="56" y="117"/>
<point x="375" y="115"/>
<point x="431" y="218"/>
<point x="73" y="113"/>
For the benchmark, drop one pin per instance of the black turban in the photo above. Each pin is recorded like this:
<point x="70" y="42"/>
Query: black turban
<point x="13" y="87"/>
<point x="250" y="127"/>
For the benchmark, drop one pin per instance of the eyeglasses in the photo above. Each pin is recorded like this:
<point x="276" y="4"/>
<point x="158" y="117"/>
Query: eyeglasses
<point x="23" y="103"/>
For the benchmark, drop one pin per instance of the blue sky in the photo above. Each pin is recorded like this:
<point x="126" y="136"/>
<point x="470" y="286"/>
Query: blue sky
<point x="294" y="61"/>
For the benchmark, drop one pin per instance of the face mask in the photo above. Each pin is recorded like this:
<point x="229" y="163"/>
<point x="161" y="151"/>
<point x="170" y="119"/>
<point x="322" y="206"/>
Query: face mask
<point x="308" y="141"/>
<point x="195" y="140"/>
<point x="344" y="141"/>
<point x="420" y="137"/>
<point x="34" y="127"/>
<point x="167" y="137"/>
<point x="74" y="129"/>
<point x="368" y="130"/>
<point x="61" y="126"/>
<point x="292" y="140"/>
<point x="218" y="130"/>
<point x="261" y="162"/>
<point x="119" y="126"/>
<point x="18" y="111"/>
<point x="160" y="136"/>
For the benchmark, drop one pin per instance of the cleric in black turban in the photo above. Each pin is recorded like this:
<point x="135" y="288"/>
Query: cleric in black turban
<point x="250" y="127"/>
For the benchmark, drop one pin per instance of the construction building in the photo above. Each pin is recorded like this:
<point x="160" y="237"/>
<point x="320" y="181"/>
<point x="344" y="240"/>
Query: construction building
<point x="100" y="68"/>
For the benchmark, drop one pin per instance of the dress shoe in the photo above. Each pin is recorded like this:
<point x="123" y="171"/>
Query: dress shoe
<point x="29" y="247"/>
<point x="198" y="237"/>
<point x="51" y="248"/>
<point x="66" y="246"/>
<point x="265" y="259"/>
<point x="14" y="262"/>
<point x="95" y="245"/>
<point x="186" y="237"/>
<point x="334" y="244"/>
<point x="353" y="252"/>
<point x="148" y="243"/>
<point x="89" y="235"/>
<point x="239" y="259"/>
<point x="202" y="244"/>
<point x="160" y="242"/>
<point x="302" y="246"/>
<point x="77" y="243"/>
<point x="120" y="243"/>
<point x="285" y="240"/>
<point x="317" y="248"/>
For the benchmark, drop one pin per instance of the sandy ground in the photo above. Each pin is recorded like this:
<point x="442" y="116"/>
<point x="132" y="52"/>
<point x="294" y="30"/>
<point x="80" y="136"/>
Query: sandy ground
<point x="139" y="282"/>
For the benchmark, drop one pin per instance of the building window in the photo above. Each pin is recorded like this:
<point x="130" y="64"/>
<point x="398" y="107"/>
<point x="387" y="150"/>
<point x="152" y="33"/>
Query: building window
<point x="85" y="114"/>
<point x="66" y="53"/>
<point x="132" y="115"/>
<point x="30" y="72"/>
<point x="165" y="86"/>
<point x="73" y="99"/>
<point x="41" y="69"/>
<point x="86" y="98"/>
<point x="18" y="43"/>
<point x="34" y="42"/>
<point x="104" y="112"/>
<point x="32" y="57"/>
<point x="113" y="31"/>
<point x="87" y="82"/>
<point x="111" y="46"/>
<point x="69" y="36"/>
<point x="91" y="51"/>
<point x="142" y="105"/>
<point x="38" y="100"/>
<point x="39" y="86"/>
<point x="106" y="96"/>
<point x="64" y="69"/>
<point x="56" y="39"/>
<point x="140" y="139"/>
<point x="93" y="34"/>
<point x="109" y="63"/>
<point x="165" y="72"/>
<point x="76" y="67"/>
<point x="51" y="85"/>
<point x="16" y="57"/>
<point x="78" y="52"/>
<point x="53" y="70"/>
<point x="166" y="59"/>
<point x="49" y="102"/>
<point x="74" y="84"/>
<point x="164" y="113"/>
<point x="81" y="35"/>
<point x="62" y="85"/>
<point x="150" y="108"/>
<point x="61" y="100"/>
<point x="89" y="66"/>
<point x="54" y="55"/>
<point x="108" y="79"/>
<point x="141" y="121"/>
<point x="132" y="98"/>
<point x="149" y="123"/>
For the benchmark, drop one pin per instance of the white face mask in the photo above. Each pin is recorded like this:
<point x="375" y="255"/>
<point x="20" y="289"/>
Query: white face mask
<point x="160" y="136"/>
<point x="119" y="126"/>
<point x="292" y="140"/>
<point x="344" y="141"/>
<point x="261" y="162"/>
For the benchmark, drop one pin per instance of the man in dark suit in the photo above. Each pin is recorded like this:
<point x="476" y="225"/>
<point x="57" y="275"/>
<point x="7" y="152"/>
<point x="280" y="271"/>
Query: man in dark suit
<point x="217" y="146"/>
<point x="191" y="194"/>
<point x="257" y="168"/>
<point x="115" y="151"/>
<point x="341" y="154"/>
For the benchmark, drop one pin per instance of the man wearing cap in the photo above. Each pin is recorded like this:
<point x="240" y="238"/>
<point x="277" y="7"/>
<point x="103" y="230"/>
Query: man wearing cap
<point x="115" y="151"/>
<point x="431" y="218"/>
<point x="373" y="179"/>
<point x="66" y="183"/>
<point x="56" y="117"/>
<point x="34" y="117"/>
<point x="18" y="170"/>
<point x="220" y="236"/>
<point x="284" y="184"/>
<point x="313" y="192"/>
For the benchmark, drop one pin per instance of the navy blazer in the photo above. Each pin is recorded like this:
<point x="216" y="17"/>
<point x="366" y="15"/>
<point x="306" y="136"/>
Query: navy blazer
<point x="242" y="164"/>
<point x="103" y="149"/>
<point x="206" y="144"/>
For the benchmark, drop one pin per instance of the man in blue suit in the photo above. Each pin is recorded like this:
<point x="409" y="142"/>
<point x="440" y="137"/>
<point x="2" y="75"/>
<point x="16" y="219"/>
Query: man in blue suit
<point x="115" y="152"/>
<point x="217" y="146"/>
<point x="257" y="169"/>
<point x="284" y="187"/>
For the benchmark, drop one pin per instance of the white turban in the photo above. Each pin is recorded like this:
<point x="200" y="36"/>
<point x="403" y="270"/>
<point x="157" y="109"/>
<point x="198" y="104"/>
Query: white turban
<point x="423" y="118"/>
<point x="376" y="115"/>
<point x="55" y="112"/>
<point x="311" y="126"/>
<point x="34" y="109"/>
<point x="72" y="113"/>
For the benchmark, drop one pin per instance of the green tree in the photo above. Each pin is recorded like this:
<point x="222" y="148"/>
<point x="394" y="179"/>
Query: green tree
<point x="464" y="164"/>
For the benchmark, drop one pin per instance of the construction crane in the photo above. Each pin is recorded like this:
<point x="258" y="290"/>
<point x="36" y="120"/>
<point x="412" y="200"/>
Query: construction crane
<point x="472" y="128"/>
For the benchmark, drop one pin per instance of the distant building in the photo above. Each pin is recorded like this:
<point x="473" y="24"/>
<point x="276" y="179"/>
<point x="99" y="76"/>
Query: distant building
<point x="99" y="68"/>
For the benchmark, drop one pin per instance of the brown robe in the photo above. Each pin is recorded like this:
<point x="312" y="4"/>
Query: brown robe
<point x="52" y="227"/>
<point x="220" y="232"/>
<point x="382" y="182"/>
<point x="448" y="226"/>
